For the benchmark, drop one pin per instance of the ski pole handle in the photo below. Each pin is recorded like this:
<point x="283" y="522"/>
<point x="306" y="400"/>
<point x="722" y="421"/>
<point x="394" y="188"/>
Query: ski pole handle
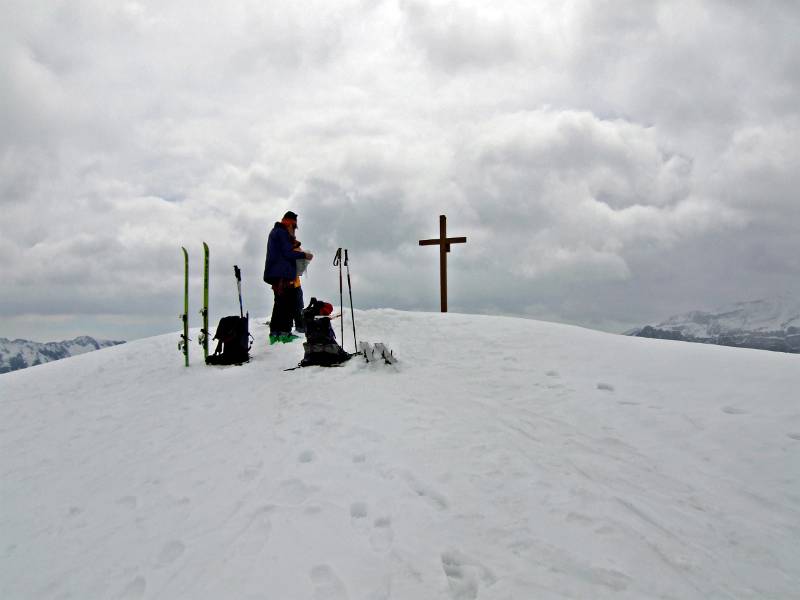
<point x="238" y="274"/>
<point x="345" y="257"/>
<point x="337" y="260"/>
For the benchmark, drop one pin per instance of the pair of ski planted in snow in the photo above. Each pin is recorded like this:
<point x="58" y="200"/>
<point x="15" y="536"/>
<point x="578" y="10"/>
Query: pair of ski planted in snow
<point x="183" y="345"/>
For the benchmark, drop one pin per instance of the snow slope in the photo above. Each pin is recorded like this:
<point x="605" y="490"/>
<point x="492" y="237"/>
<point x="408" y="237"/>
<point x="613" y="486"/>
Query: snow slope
<point x="501" y="458"/>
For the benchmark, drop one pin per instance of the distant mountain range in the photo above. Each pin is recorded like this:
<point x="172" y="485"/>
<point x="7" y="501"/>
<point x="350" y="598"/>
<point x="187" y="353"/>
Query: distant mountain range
<point x="20" y="354"/>
<point x="762" y="324"/>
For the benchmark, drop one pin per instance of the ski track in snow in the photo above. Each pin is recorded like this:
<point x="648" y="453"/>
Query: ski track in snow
<point x="561" y="463"/>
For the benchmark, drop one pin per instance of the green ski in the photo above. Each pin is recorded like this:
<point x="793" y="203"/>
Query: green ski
<point x="183" y="345"/>
<point x="203" y="339"/>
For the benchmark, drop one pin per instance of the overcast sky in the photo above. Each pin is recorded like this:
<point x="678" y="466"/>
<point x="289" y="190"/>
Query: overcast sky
<point x="611" y="163"/>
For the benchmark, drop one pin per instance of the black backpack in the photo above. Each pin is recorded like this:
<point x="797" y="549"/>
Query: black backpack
<point x="233" y="341"/>
<point x="320" y="346"/>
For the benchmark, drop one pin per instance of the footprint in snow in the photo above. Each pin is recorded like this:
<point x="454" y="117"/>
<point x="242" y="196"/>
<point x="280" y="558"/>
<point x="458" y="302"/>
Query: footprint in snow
<point x="294" y="492"/>
<point x="358" y="515"/>
<point x="134" y="589"/>
<point x="327" y="585"/>
<point x="427" y="493"/>
<point x="579" y="518"/>
<point x="606" y="387"/>
<point x="465" y="575"/>
<point x="306" y="456"/>
<point x="128" y="501"/>
<point x="732" y="410"/>
<point x="382" y="535"/>
<point x="610" y="578"/>
<point x="250" y="472"/>
<point x="171" y="551"/>
<point x="794" y="436"/>
<point x="255" y="533"/>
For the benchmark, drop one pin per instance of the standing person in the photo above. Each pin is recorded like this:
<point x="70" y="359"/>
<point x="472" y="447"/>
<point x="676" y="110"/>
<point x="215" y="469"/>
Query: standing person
<point x="280" y="271"/>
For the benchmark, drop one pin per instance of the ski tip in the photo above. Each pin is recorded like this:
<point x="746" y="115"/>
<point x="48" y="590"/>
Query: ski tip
<point x="205" y="246"/>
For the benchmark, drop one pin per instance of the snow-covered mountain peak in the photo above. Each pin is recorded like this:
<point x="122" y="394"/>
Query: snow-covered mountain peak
<point x="769" y="324"/>
<point x="776" y="314"/>
<point x="20" y="354"/>
<point x="500" y="458"/>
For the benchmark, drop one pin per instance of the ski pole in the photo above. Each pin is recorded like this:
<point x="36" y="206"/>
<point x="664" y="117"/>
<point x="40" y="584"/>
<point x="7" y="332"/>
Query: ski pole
<point x="238" y="275"/>
<point x="337" y="262"/>
<point x="350" y="291"/>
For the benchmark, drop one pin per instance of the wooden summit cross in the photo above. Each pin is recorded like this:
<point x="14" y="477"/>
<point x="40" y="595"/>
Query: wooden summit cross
<point x="444" y="247"/>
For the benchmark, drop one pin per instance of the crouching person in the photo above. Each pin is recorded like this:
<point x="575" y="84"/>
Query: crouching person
<point x="321" y="347"/>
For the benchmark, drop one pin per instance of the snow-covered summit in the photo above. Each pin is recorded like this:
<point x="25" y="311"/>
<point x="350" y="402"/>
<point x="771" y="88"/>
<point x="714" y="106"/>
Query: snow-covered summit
<point x="499" y="459"/>
<point x="776" y="314"/>
<point x="771" y="324"/>
<point x="20" y="354"/>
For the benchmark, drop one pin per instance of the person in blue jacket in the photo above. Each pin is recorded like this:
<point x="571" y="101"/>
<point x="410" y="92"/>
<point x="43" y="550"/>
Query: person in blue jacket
<point x="280" y="271"/>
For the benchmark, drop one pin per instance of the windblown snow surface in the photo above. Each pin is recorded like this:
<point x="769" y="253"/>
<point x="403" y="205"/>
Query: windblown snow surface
<point x="500" y="458"/>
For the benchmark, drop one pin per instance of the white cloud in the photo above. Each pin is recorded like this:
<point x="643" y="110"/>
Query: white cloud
<point x="586" y="151"/>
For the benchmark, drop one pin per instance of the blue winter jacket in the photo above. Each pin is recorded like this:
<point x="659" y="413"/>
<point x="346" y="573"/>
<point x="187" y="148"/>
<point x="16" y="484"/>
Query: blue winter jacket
<point x="280" y="263"/>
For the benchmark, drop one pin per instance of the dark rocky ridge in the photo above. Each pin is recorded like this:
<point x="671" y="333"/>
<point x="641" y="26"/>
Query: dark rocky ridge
<point x="777" y="341"/>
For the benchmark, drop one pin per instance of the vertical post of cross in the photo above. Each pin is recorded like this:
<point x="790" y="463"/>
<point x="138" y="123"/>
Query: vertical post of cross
<point x="444" y="248"/>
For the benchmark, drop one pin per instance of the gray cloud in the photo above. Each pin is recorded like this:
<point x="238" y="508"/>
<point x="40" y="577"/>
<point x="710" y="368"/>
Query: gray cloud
<point x="609" y="163"/>
<point x="456" y="36"/>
